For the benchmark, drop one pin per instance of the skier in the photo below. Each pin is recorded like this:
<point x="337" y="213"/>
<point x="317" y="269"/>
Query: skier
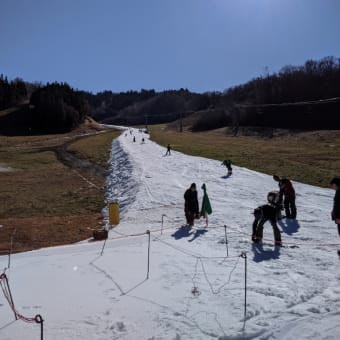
<point x="227" y="163"/>
<point x="263" y="214"/>
<point x="191" y="204"/>
<point x="335" y="184"/>
<point x="168" y="150"/>
<point x="287" y="194"/>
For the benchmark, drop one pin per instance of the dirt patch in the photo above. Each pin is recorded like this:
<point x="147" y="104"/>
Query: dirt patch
<point x="37" y="232"/>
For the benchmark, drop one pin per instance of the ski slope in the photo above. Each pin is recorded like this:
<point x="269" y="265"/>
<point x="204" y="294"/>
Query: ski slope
<point x="194" y="284"/>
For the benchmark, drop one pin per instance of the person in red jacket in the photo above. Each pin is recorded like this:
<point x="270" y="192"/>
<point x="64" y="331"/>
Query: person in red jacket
<point x="287" y="195"/>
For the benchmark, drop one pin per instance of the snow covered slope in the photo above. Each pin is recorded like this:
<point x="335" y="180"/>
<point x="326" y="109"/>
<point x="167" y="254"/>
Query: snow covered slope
<point x="194" y="286"/>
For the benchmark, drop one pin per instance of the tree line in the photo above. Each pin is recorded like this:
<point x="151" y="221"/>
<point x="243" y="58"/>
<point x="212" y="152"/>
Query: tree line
<point x="312" y="81"/>
<point x="57" y="108"/>
<point x="295" y="92"/>
<point x="11" y="92"/>
<point x="267" y="100"/>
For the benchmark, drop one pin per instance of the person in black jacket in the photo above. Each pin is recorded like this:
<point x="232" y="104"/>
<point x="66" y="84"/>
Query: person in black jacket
<point x="335" y="184"/>
<point x="264" y="213"/>
<point x="191" y="204"/>
<point x="287" y="196"/>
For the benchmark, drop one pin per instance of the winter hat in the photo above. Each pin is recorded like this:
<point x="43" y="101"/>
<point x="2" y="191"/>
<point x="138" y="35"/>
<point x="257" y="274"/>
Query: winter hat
<point x="336" y="181"/>
<point x="193" y="185"/>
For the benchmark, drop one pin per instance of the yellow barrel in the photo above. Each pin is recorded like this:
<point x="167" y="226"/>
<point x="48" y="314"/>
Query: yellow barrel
<point x="114" y="212"/>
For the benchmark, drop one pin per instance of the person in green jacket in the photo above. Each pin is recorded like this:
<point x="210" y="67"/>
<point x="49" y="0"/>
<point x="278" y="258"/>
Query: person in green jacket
<point x="206" y="206"/>
<point x="227" y="164"/>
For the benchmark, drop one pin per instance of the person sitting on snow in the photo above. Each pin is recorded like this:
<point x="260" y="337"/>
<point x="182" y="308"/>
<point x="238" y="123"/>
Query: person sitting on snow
<point x="263" y="214"/>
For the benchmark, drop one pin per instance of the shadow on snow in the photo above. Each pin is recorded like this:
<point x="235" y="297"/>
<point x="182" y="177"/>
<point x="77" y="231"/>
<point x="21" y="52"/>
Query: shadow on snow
<point x="289" y="226"/>
<point x="261" y="254"/>
<point x="186" y="231"/>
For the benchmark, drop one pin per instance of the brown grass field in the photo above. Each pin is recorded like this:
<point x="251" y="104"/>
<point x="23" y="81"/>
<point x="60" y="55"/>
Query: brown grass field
<point x="48" y="197"/>
<point x="44" y="202"/>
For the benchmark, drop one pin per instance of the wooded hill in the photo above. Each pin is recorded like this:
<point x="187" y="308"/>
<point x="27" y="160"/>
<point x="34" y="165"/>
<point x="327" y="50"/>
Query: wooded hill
<point x="296" y="97"/>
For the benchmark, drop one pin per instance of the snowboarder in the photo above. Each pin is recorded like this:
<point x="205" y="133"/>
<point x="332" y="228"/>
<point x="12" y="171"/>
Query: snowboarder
<point x="206" y="207"/>
<point x="134" y="138"/>
<point x="191" y="204"/>
<point x="287" y="195"/>
<point x="335" y="184"/>
<point x="168" y="150"/>
<point x="227" y="164"/>
<point x="263" y="214"/>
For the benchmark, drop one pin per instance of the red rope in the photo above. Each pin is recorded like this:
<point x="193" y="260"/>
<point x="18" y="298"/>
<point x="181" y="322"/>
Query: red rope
<point x="292" y="243"/>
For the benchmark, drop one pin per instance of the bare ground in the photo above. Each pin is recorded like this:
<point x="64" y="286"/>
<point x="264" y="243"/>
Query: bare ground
<point x="48" y="195"/>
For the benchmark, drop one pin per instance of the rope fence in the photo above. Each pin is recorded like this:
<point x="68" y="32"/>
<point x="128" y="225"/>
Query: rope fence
<point x="199" y="263"/>
<point x="9" y="298"/>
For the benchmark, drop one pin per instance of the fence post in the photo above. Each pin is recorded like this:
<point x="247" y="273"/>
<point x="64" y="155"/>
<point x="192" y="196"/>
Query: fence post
<point x="162" y="224"/>
<point x="101" y="254"/>
<point x="11" y="248"/>
<point x="226" y="238"/>
<point x="38" y="319"/>
<point x="244" y="255"/>
<point x="4" y="276"/>
<point x="147" y="274"/>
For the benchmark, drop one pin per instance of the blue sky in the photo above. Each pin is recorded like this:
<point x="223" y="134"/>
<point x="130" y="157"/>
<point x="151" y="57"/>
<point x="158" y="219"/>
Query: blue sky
<point x="202" y="45"/>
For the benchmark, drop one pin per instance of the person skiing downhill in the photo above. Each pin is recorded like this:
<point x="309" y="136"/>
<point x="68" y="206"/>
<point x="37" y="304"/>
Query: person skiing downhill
<point x="191" y="209"/>
<point x="335" y="184"/>
<point x="287" y="195"/>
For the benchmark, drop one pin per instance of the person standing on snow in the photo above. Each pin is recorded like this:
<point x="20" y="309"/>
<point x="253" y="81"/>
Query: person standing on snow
<point x="287" y="194"/>
<point x="206" y="206"/>
<point x="168" y="150"/>
<point x="335" y="184"/>
<point x="191" y="204"/>
<point x="227" y="164"/>
<point x="263" y="214"/>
